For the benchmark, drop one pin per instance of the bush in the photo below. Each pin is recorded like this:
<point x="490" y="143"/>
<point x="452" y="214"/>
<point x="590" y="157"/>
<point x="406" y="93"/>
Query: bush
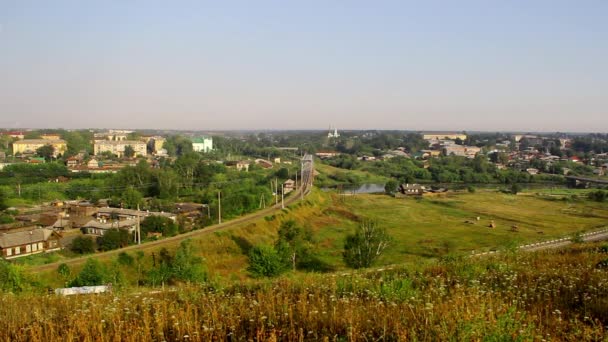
<point x="93" y="273"/>
<point x="11" y="277"/>
<point x="83" y="245"/>
<point x="471" y="189"/>
<point x="365" y="246"/>
<point x="125" y="259"/>
<point x="114" y="239"/>
<point x="265" y="261"/>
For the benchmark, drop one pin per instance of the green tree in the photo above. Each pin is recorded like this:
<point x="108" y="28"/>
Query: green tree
<point x="83" y="245"/>
<point x="125" y="259"/>
<point x="264" y="261"/>
<point x="294" y="243"/>
<point x="132" y="198"/>
<point x="363" y="248"/>
<point x="114" y="239"/>
<point x="129" y="151"/>
<point x="159" y="224"/>
<point x="93" y="273"/>
<point x="186" y="266"/>
<point x="64" y="271"/>
<point x="3" y="199"/>
<point x="11" y="277"/>
<point x="391" y="186"/>
<point x="46" y="152"/>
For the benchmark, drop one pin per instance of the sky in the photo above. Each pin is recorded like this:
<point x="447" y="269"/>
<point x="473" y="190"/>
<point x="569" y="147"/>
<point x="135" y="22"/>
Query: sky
<point x="520" y="65"/>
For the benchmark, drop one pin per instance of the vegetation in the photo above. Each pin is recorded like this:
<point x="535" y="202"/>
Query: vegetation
<point x="364" y="247"/>
<point x="508" y="297"/>
<point x="83" y="245"/>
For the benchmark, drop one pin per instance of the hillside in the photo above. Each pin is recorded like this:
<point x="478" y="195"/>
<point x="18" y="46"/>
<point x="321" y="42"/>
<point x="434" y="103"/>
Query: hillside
<point x="557" y="295"/>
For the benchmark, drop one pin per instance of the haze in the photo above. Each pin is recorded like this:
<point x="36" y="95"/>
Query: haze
<point x="445" y="65"/>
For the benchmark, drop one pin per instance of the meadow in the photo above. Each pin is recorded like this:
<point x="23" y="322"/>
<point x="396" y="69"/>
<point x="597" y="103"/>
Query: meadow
<point x="422" y="229"/>
<point x="558" y="295"/>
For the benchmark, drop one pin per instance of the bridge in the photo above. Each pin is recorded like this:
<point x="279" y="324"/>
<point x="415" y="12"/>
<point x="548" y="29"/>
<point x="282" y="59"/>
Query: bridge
<point x="585" y="182"/>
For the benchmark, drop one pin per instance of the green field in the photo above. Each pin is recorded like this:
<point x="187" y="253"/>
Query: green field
<point x="422" y="229"/>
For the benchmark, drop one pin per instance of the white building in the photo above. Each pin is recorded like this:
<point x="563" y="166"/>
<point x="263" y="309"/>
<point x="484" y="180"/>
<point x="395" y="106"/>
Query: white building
<point x="202" y="144"/>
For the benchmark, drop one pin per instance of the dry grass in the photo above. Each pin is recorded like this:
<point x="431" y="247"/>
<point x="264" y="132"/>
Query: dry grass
<point x="551" y="296"/>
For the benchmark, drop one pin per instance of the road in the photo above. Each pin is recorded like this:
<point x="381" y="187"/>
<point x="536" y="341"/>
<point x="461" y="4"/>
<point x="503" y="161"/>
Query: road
<point x="307" y="176"/>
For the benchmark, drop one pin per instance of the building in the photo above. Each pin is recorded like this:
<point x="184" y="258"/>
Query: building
<point x="202" y="144"/>
<point x="444" y="136"/>
<point x="31" y="145"/>
<point x="50" y="136"/>
<point x="117" y="147"/>
<point x="288" y="186"/>
<point x="156" y="144"/>
<point x="333" y="134"/>
<point x="14" y="134"/>
<point x="27" y="242"/>
<point x="100" y="226"/>
<point x="461" y="150"/>
<point x="411" y="189"/>
<point x="129" y="214"/>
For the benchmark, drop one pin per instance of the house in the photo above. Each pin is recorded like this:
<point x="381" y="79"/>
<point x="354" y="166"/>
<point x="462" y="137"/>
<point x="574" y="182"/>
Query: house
<point x="202" y="144"/>
<point x="117" y="147"/>
<point x="31" y="145"/>
<point x="326" y="154"/>
<point x="101" y="226"/>
<point x="242" y="165"/>
<point x="29" y="241"/>
<point x="72" y="162"/>
<point x="128" y="214"/>
<point x="411" y="189"/>
<point x="532" y="171"/>
<point x="264" y="163"/>
<point x="93" y="164"/>
<point x="288" y="186"/>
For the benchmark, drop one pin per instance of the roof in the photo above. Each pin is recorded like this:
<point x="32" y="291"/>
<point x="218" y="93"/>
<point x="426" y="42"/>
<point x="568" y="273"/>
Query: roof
<point x="119" y="142"/>
<point x="131" y="212"/>
<point x="24" y="237"/>
<point x="200" y="140"/>
<point x="39" y="141"/>
<point x="110" y="225"/>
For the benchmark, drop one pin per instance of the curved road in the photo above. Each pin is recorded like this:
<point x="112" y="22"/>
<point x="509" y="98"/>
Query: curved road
<point x="307" y="174"/>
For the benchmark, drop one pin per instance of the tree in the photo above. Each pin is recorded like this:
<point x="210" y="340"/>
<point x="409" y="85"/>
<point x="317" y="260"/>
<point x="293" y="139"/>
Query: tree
<point x="114" y="239"/>
<point x="131" y="198"/>
<point x="125" y="259"/>
<point x="3" y="204"/>
<point x="46" y="151"/>
<point x="83" y="245"/>
<point x="11" y="277"/>
<point x="186" y="266"/>
<point x="129" y="151"/>
<point x="390" y="186"/>
<point x="293" y="244"/>
<point x="264" y="261"/>
<point x="93" y="273"/>
<point x="364" y="247"/>
<point x="515" y="188"/>
<point x="159" y="224"/>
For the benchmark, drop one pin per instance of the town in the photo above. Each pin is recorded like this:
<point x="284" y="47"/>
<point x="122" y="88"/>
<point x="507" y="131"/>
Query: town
<point x="88" y="191"/>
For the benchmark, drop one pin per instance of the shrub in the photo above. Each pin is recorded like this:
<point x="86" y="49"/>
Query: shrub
<point x="265" y="261"/>
<point x="93" y="273"/>
<point x="364" y="247"/>
<point x="83" y="245"/>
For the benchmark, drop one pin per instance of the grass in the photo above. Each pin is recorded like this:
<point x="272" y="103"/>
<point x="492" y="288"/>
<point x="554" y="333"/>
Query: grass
<point x="551" y="296"/>
<point x="332" y="176"/>
<point x="422" y="229"/>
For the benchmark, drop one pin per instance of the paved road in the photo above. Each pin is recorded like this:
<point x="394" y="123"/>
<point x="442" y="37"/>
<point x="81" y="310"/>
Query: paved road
<point x="590" y="238"/>
<point x="295" y="196"/>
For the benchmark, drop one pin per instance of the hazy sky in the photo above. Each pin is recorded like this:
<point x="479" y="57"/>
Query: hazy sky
<point x="525" y="65"/>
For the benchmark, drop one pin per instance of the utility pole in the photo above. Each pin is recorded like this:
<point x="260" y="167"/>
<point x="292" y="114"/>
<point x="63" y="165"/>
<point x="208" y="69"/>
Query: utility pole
<point x="276" y="192"/>
<point x="219" y="206"/>
<point x="282" y="196"/>
<point x="138" y="227"/>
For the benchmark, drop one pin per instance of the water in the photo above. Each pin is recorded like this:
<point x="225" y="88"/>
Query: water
<point x="368" y="188"/>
